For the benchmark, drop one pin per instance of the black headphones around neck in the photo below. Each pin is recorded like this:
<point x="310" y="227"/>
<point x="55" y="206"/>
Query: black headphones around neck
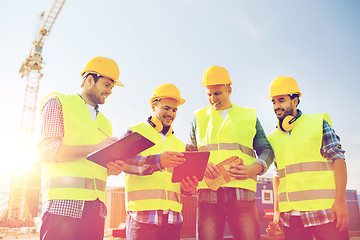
<point x="287" y="123"/>
<point x="156" y="123"/>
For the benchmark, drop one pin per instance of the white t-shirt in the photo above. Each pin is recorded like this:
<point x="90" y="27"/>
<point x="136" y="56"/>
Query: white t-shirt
<point x="224" y="113"/>
<point x="93" y="111"/>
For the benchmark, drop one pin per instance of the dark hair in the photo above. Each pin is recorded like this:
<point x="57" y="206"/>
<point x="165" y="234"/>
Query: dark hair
<point x="156" y="101"/>
<point x="292" y="96"/>
<point x="94" y="75"/>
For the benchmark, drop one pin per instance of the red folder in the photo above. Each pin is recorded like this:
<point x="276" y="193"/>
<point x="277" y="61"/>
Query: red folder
<point x="122" y="149"/>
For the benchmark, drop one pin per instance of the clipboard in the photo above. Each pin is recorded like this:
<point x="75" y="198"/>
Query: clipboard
<point x="122" y="149"/>
<point x="194" y="165"/>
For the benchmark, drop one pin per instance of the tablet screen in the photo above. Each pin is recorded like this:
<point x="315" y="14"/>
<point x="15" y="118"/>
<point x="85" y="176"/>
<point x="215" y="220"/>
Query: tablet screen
<point x="194" y="165"/>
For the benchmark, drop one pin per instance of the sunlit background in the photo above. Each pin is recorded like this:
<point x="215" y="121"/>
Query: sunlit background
<point x="155" y="42"/>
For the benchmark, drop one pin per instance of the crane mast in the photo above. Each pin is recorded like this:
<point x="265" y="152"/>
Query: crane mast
<point x="17" y="213"/>
<point x="31" y="70"/>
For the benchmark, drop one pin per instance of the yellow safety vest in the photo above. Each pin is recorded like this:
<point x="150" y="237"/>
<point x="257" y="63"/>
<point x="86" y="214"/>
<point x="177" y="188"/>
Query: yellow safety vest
<point x="307" y="180"/>
<point x="156" y="191"/>
<point x="78" y="179"/>
<point x="232" y="136"/>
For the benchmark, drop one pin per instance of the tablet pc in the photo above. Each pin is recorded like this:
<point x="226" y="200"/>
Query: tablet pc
<point x="122" y="149"/>
<point x="194" y="165"/>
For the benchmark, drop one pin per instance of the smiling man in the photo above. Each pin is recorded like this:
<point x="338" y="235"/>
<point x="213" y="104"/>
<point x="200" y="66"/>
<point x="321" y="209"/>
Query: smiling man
<point x="74" y="188"/>
<point x="227" y="130"/>
<point x="153" y="201"/>
<point x="311" y="176"/>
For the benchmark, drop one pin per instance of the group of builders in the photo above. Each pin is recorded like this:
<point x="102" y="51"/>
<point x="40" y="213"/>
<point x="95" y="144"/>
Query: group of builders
<point x="309" y="182"/>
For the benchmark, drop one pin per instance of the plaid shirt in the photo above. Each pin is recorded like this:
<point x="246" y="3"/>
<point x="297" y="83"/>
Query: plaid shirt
<point x="331" y="150"/>
<point x="147" y="165"/>
<point x="265" y="155"/>
<point x="51" y="136"/>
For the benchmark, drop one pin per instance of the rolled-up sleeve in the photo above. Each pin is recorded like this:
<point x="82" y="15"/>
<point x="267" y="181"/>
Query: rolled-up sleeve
<point x="263" y="148"/>
<point x="331" y="148"/>
<point x="51" y="130"/>
<point x="142" y="165"/>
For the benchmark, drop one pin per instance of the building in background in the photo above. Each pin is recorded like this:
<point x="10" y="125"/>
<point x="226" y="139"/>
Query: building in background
<point x="264" y="198"/>
<point x="116" y="218"/>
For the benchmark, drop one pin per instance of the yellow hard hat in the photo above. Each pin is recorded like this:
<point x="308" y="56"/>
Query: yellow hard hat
<point x="284" y="86"/>
<point x="216" y="75"/>
<point x="106" y="67"/>
<point x="167" y="90"/>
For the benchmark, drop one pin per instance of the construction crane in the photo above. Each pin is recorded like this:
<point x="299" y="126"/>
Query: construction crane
<point x="17" y="213"/>
<point x="31" y="70"/>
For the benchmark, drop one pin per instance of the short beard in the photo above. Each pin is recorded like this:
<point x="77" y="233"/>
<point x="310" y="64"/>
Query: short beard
<point x="287" y="112"/>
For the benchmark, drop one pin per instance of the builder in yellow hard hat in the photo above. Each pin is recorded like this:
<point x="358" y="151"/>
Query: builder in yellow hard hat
<point x="229" y="132"/>
<point x="311" y="176"/>
<point x="153" y="200"/>
<point x="74" y="188"/>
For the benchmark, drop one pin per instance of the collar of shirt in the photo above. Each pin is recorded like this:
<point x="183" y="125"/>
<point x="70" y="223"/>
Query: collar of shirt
<point x="93" y="110"/>
<point x="224" y="113"/>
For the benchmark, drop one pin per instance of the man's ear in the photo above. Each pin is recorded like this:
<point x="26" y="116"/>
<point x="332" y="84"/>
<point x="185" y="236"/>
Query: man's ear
<point x="89" y="80"/>
<point x="296" y="101"/>
<point x="229" y="90"/>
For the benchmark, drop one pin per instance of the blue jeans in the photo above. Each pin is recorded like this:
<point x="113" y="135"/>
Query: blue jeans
<point x="327" y="231"/>
<point x="242" y="218"/>
<point x="89" y="227"/>
<point x="136" y="230"/>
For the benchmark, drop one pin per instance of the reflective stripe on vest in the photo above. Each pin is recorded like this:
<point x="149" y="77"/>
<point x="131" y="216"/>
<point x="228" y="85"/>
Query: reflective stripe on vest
<point x="305" y="167"/>
<point x="307" y="181"/>
<point x="78" y="179"/>
<point x="77" y="182"/>
<point x="307" y="195"/>
<point x="147" y="194"/>
<point x="156" y="191"/>
<point x="229" y="147"/>
<point x="224" y="138"/>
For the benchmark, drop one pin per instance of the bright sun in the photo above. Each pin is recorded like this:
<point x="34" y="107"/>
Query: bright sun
<point x="16" y="156"/>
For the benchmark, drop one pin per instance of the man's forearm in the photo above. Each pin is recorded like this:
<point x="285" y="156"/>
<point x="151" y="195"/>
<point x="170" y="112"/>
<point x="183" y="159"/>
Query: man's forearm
<point x="262" y="146"/>
<point x="266" y="158"/>
<point x="276" y="182"/>
<point x="143" y="165"/>
<point x="340" y="174"/>
<point x="258" y="169"/>
<point x="68" y="153"/>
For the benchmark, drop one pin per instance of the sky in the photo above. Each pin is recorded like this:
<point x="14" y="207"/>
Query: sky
<point x="164" y="41"/>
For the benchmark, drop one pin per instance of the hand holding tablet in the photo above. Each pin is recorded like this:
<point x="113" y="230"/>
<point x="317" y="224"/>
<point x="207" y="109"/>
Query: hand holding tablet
<point x="171" y="159"/>
<point x="194" y="165"/>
